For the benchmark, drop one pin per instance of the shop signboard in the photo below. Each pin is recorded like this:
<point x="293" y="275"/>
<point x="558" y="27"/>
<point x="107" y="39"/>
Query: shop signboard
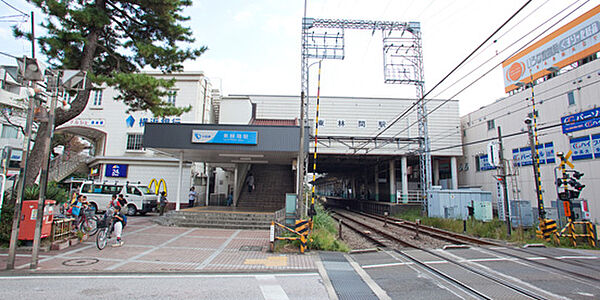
<point x="568" y="44"/>
<point x="115" y="170"/>
<point x="225" y="137"/>
<point x="580" y="121"/>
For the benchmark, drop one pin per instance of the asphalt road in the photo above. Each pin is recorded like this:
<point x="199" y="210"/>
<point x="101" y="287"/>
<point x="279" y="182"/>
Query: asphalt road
<point x="164" y="286"/>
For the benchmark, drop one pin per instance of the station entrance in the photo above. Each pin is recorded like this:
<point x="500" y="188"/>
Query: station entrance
<point x="260" y="159"/>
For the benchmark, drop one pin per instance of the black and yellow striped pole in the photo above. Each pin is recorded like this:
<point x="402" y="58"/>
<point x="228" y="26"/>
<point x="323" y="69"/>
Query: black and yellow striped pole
<point x="311" y="211"/>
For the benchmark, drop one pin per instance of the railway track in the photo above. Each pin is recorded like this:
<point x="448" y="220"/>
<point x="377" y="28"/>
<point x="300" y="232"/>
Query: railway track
<point x="485" y="291"/>
<point x="574" y="268"/>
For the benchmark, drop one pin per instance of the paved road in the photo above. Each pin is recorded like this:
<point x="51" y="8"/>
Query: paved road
<point x="165" y="286"/>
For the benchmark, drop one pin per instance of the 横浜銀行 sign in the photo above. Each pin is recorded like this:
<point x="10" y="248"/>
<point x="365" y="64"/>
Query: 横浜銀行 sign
<point x="224" y="137"/>
<point x="580" y="121"/>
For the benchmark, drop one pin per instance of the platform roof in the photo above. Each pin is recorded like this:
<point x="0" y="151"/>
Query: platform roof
<point x="273" y="144"/>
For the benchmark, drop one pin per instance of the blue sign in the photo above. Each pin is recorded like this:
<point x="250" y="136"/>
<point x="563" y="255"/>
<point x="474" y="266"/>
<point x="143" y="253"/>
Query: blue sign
<point x="580" y="121"/>
<point x="596" y="145"/>
<point x="581" y="147"/>
<point x="113" y="170"/>
<point x="130" y="120"/>
<point x="225" y="137"/>
<point x="484" y="163"/>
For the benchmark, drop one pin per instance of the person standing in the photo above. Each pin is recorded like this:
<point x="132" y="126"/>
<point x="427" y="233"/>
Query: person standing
<point x="163" y="202"/>
<point x="192" y="197"/>
<point x="250" y="181"/>
<point x="119" y="223"/>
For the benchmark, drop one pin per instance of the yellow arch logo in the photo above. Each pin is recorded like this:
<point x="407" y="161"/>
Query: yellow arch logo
<point x="157" y="184"/>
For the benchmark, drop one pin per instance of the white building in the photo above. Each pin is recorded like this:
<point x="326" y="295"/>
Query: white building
<point x="116" y="135"/>
<point x="569" y="93"/>
<point x="347" y="150"/>
<point x="13" y="112"/>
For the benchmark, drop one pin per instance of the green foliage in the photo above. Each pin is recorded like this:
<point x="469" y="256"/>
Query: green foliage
<point x="324" y="233"/>
<point x="6" y="219"/>
<point x="53" y="192"/>
<point x="111" y="40"/>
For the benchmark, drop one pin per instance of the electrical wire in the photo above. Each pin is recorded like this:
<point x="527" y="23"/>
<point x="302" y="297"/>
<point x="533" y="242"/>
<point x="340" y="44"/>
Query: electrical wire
<point x="454" y="69"/>
<point x="9" y="5"/>
<point x="477" y="79"/>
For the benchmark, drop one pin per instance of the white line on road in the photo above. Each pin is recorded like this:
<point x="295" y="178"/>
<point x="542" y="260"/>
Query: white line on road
<point x="148" y="251"/>
<point x="270" y="288"/>
<point x="216" y="253"/>
<point x="143" y="276"/>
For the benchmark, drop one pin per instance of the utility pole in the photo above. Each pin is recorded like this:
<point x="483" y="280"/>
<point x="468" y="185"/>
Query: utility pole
<point x="300" y="162"/>
<point x="536" y="170"/>
<point x="10" y="264"/>
<point x="53" y="84"/>
<point x="504" y="189"/>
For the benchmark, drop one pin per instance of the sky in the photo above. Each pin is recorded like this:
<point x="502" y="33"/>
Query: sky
<point x="254" y="45"/>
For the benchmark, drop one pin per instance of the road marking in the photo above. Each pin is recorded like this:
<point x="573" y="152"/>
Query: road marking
<point x="270" y="288"/>
<point x="523" y="284"/>
<point x="148" y="251"/>
<point x="272" y="261"/>
<point x="216" y="253"/>
<point x="379" y="292"/>
<point x="576" y="257"/>
<point x="145" y="276"/>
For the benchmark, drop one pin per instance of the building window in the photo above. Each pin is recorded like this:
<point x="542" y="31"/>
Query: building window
<point x="10" y="132"/>
<point x="477" y="164"/>
<point x="571" y="98"/>
<point x="464" y="132"/>
<point x="134" y="141"/>
<point x="381" y="124"/>
<point x="362" y="124"/>
<point x="97" y="98"/>
<point x="172" y="97"/>
<point x="491" y="124"/>
<point x="341" y="123"/>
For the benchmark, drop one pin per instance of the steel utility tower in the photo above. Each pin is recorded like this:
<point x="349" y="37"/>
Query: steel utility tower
<point x="402" y="64"/>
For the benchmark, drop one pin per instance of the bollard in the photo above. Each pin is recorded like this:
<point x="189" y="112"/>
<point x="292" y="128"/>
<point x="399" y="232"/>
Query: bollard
<point x="385" y="215"/>
<point x="340" y="236"/>
<point x="464" y="226"/>
<point x="272" y="236"/>
<point x="417" y="223"/>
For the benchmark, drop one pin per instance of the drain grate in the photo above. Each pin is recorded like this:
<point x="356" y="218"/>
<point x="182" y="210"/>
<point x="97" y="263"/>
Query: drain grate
<point x="251" y="248"/>
<point x="78" y="262"/>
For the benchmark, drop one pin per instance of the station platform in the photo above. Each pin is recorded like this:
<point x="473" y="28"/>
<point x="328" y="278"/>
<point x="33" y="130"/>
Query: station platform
<point x="150" y="248"/>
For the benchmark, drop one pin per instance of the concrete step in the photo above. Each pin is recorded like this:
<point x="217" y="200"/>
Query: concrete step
<point x="226" y="226"/>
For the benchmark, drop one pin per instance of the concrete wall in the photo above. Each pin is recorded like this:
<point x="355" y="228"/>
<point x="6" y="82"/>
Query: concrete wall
<point x="235" y="111"/>
<point x="510" y="113"/>
<point x="444" y="125"/>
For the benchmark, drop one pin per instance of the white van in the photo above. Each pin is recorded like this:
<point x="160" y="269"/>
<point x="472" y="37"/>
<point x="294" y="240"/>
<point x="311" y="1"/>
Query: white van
<point x="139" y="197"/>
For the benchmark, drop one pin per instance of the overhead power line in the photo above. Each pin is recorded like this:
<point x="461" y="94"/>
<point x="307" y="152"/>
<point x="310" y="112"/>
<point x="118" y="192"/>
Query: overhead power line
<point x="9" y="5"/>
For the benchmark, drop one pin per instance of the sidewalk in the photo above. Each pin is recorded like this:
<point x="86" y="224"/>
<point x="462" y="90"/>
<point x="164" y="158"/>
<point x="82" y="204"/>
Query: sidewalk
<point x="152" y="248"/>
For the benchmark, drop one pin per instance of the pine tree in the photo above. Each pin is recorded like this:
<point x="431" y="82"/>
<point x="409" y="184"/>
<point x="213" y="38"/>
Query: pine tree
<point x="113" y="40"/>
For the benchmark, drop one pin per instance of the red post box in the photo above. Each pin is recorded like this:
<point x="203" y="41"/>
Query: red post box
<point x="29" y="215"/>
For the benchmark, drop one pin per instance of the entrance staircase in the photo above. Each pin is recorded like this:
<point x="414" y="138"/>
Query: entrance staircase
<point x="226" y="219"/>
<point x="66" y="164"/>
<point x="271" y="182"/>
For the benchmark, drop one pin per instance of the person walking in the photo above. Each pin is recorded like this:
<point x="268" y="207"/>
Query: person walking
<point x="119" y="221"/>
<point x="163" y="202"/>
<point x="250" y="182"/>
<point x="192" y="197"/>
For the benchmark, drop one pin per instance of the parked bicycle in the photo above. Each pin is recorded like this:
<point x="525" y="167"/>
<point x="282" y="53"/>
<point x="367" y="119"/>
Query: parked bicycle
<point x="88" y="222"/>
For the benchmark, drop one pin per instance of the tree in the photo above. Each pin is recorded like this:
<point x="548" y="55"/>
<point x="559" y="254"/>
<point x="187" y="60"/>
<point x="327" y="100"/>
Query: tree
<point x="113" y="40"/>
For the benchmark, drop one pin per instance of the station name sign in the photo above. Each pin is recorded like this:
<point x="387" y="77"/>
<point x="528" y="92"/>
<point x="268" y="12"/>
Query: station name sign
<point x="224" y="137"/>
<point x="580" y="121"/>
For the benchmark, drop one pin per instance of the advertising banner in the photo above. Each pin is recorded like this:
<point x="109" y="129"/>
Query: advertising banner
<point x="113" y="170"/>
<point x="570" y="43"/>
<point x="580" y="121"/>
<point x="549" y="149"/>
<point x="224" y="137"/>
<point x="581" y="147"/>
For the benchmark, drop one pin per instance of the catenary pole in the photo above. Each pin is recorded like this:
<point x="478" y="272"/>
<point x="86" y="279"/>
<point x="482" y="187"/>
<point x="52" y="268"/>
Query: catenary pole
<point x="504" y="188"/>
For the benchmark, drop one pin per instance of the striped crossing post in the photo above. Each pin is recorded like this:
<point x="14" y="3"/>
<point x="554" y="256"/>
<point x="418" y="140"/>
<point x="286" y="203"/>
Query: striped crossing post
<point x="312" y="212"/>
<point x="302" y="230"/>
